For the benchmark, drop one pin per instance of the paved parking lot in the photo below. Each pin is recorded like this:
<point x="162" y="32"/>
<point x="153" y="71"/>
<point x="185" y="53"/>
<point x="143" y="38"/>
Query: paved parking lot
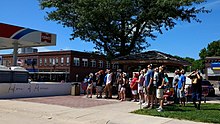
<point x="69" y="101"/>
<point x="83" y="102"/>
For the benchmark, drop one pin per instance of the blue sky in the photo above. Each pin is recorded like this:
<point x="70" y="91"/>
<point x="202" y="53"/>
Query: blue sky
<point x="185" y="40"/>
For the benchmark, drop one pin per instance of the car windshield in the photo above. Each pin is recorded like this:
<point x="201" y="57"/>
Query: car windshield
<point x="206" y="83"/>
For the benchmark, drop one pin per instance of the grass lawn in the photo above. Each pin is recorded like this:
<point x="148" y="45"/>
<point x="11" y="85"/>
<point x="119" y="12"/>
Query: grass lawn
<point x="209" y="113"/>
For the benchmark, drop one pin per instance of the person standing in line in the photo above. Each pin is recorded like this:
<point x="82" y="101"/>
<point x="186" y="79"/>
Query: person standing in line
<point x="144" y="90"/>
<point x="160" y="88"/>
<point x="181" y="88"/>
<point x="123" y="87"/>
<point x="100" y="81"/>
<point x="119" y="81"/>
<point x="85" y="84"/>
<point x="156" y="79"/>
<point x="175" y="82"/>
<point x="140" y="87"/>
<point x="108" y="92"/>
<point x="90" y="85"/>
<point x="196" y="88"/>
<point x="149" y="89"/>
<point x="134" y="86"/>
<point x="105" y="79"/>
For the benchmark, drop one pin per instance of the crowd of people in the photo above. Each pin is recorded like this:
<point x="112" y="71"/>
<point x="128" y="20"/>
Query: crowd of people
<point x="149" y="87"/>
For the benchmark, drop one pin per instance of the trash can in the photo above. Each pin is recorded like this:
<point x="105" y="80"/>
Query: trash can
<point x="75" y="90"/>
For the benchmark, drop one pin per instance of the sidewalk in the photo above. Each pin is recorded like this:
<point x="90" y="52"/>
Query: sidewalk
<point x="20" y="112"/>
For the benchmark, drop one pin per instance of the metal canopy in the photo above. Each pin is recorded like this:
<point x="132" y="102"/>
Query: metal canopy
<point x="14" y="37"/>
<point x="25" y="37"/>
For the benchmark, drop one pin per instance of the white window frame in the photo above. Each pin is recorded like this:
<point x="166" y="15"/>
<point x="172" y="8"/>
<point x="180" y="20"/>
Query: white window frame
<point x="93" y="63"/>
<point x="40" y="61"/>
<point x="100" y="64"/>
<point x="85" y="62"/>
<point x="54" y="62"/>
<point x="45" y="61"/>
<point x="50" y="61"/>
<point x="67" y="60"/>
<point x="108" y="64"/>
<point x="115" y="66"/>
<point x="62" y="60"/>
<point x="76" y="61"/>
<point x="57" y="61"/>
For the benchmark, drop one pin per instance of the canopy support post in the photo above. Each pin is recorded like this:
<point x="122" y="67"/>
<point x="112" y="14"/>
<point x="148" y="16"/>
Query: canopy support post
<point x="15" y="52"/>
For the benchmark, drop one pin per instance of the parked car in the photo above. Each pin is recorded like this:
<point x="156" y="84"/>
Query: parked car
<point x="207" y="85"/>
<point x="207" y="89"/>
<point x="219" y="86"/>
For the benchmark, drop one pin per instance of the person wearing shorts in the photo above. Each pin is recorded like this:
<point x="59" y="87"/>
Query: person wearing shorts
<point x="140" y="87"/>
<point x="160" y="88"/>
<point x="123" y="87"/>
<point x="196" y="87"/>
<point x="134" y="86"/>
<point x="90" y="85"/>
<point x="149" y="89"/>
<point x="181" y="88"/>
<point x="119" y="84"/>
<point x="100" y="81"/>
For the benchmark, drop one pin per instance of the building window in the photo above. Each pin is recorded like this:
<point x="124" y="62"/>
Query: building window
<point x="61" y="60"/>
<point x="34" y="62"/>
<point x="93" y="63"/>
<point x="6" y="62"/>
<point x="57" y="60"/>
<point x="45" y="61"/>
<point x="76" y="61"/>
<point x="67" y="60"/>
<point x="115" y="66"/>
<point x="50" y="61"/>
<point x="85" y="62"/>
<point x="28" y="62"/>
<point x="107" y="64"/>
<point x="54" y="63"/>
<point x="40" y="61"/>
<point x="100" y="64"/>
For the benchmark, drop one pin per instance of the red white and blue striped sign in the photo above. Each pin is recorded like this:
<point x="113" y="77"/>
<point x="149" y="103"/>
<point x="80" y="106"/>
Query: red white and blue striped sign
<point x="25" y="36"/>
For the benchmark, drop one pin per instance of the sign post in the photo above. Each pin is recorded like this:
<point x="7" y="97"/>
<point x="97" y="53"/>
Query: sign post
<point x="1" y="61"/>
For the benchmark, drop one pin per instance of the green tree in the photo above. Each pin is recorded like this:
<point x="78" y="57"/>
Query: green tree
<point x="213" y="49"/>
<point x="198" y="64"/>
<point x="120" y="27"/>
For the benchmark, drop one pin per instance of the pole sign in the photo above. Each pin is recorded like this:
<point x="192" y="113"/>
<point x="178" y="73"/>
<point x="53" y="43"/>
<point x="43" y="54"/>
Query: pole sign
<point x="1" y="60"/>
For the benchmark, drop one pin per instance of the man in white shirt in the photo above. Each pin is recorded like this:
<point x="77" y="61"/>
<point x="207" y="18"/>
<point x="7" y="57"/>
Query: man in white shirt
<point x="175" y="81"/>
<point x="108" y="92"/>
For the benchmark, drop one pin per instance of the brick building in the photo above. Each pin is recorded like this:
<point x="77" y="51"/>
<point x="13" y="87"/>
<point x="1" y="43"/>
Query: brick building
<point x="74" y="65"/>
<point x="59" y="65"/>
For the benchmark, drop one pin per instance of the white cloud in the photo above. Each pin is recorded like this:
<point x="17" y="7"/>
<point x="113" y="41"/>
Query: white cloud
<point x="6" y="51"/>
<point x="213" y="4"/>
<point x="43" y="49"/>
<point x="67" y="48"/>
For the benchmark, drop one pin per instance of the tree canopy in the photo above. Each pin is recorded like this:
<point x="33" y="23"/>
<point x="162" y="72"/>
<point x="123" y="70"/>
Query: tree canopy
<point x="120" y="27"/>
<point x="213" y="49"/>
